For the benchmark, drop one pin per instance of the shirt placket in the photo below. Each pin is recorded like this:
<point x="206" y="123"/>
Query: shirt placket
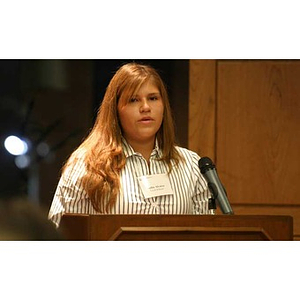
<point x="142" y="169"/>
<point x="153" y="201"/>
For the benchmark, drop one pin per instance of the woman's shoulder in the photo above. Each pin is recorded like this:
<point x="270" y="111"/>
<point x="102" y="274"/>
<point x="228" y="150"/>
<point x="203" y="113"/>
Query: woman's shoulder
<point x="75" y="162"/>
<point x="187" y="153"/>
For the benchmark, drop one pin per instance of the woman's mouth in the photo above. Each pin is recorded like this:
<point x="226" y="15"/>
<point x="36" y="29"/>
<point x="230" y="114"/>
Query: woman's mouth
<point x="146" y="120"/>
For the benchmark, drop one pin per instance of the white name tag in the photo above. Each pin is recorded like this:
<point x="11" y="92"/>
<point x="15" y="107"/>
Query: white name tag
<point x="155" y="185"/>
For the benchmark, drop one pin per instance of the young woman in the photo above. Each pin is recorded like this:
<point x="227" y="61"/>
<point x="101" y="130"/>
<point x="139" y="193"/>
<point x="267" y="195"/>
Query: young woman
<point x="129" y="163"/>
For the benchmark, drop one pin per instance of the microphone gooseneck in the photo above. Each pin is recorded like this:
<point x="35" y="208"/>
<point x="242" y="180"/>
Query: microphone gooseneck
<point x="209" y="172"/>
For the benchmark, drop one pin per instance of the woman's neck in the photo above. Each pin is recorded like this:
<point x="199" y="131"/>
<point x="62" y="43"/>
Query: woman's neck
<point x="145" y="148"/>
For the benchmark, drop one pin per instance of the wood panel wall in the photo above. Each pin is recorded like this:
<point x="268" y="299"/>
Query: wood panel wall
<point x="245" y="115"/>
<point x="202" y="107"/>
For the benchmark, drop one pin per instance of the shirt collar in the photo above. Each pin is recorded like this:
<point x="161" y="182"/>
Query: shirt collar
<point x="129" y="151"/>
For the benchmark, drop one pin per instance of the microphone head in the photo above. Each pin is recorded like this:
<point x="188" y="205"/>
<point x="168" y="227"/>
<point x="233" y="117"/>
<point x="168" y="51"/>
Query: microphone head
<point x="205" y="163"/>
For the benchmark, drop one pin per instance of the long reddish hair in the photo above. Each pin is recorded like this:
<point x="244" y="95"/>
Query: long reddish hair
<point x="102" y="149"/>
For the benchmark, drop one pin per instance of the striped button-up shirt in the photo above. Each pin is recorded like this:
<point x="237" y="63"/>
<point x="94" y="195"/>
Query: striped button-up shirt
<point x="190" y="191"/>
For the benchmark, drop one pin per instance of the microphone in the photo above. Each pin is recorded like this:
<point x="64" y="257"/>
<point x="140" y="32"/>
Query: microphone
<point x="209" y="172"/>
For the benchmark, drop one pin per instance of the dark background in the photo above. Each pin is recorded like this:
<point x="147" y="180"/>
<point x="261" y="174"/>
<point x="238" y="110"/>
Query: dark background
<point x="54" y="102"/>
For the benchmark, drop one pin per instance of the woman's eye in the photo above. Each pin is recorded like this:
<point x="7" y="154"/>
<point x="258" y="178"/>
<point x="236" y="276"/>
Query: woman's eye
<point x="153" y="98"/>
<point x="133" y="100"/>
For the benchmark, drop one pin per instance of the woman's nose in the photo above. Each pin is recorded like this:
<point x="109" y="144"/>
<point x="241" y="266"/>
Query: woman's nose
<point x="144" y="106"/>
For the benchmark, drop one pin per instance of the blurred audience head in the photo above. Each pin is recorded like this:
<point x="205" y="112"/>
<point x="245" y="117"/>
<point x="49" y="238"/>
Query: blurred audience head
<point x="21" y="220"/>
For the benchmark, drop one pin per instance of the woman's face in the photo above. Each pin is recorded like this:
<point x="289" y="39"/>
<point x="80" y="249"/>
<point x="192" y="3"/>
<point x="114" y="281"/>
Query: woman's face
<point x="142" y="116"/>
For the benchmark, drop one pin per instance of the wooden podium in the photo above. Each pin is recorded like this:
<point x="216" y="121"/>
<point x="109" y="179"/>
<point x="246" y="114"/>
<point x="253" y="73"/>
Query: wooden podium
<point x="176" y="227"/>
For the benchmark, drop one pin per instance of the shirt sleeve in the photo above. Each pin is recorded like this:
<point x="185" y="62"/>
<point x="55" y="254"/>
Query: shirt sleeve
<point x="70" y="196"/>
